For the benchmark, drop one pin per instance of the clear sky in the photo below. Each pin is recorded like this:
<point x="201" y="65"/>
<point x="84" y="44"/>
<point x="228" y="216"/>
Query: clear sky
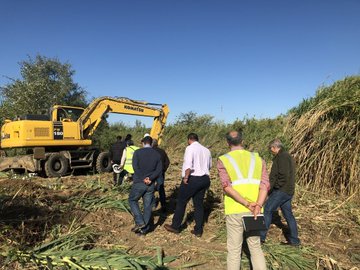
<point x="230" y="59"/>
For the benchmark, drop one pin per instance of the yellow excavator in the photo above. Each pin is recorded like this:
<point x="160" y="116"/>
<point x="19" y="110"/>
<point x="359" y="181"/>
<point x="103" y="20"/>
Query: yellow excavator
<point x="61" y="142"/>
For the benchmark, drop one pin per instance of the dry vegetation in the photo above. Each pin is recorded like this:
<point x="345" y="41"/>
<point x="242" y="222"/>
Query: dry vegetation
<point x="325" y="139"/>
<point x="82" y="222"/>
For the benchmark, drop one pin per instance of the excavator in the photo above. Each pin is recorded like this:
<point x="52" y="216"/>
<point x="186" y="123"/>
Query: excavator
<point x="61" y="141"/>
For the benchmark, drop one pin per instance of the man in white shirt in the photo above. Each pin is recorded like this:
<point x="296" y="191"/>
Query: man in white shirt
<point x="196" y="180"/>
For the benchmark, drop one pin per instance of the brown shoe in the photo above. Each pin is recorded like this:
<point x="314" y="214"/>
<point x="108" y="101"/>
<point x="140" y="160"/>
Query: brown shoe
<point x="170" y="229"/>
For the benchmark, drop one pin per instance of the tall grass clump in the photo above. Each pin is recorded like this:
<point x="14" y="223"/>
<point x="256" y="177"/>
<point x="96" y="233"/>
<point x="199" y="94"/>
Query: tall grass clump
<point x="325" y="138"/>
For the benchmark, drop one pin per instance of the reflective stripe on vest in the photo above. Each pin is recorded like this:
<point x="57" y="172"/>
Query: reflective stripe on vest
<point x="237" y="164"/>
<point x="128" y="161"/>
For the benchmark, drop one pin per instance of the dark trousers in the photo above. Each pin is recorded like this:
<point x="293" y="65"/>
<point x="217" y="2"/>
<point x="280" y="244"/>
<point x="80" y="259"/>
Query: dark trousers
<point x="161" y="189"/>
<point x="116" y="175"/>
<point x="119" y="177"/>
<point x="195" y="189"/>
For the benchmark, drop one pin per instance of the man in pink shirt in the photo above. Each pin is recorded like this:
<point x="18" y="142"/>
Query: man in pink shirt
<point x="196" y="180"/>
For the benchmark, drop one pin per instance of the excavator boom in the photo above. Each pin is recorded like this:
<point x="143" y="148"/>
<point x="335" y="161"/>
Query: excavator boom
<point x="94" y="113"/>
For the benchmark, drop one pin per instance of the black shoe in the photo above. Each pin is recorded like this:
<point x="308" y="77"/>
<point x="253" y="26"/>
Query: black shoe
<point x="290" y="244"/>
<point x="137" y="228"/>
<point x="197" y="234"/>
<point x="170" y="229"/>
<point x="262" y="242"/>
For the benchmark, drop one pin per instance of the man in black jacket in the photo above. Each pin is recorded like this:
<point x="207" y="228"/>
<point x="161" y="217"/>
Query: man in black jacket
<point x="147" y="168"/>
<point x="282" y="188"/>
<point x="165" y="161"/>
<point x="115" y="152"/>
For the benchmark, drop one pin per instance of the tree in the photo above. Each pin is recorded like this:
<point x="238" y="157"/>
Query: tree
<point x="45" y="82"/>
<point x="192" y="119"/>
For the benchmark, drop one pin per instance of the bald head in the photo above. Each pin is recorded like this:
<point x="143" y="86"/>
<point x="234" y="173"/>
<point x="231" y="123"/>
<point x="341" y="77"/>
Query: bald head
<point x="234" y="137"/>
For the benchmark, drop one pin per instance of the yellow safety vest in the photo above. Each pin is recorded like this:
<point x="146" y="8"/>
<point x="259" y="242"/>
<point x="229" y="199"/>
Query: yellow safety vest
<point x="129" y="155"/>
<point x="244" y="169"/>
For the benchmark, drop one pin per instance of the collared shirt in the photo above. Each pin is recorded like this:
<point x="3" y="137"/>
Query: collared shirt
<point x="197" y="158"/>
<point x="225" y="178"/>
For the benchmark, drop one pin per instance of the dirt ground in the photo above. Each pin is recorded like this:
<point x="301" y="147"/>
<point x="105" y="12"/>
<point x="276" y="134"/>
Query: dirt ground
<point x="32" y="208"/>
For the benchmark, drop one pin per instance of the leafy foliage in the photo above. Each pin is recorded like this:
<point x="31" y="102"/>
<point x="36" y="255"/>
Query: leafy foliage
<point x="45" y="82"/>
<point x="257" y="133"/>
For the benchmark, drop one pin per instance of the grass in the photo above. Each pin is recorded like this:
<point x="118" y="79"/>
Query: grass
<point x="324" y="132"/>
<point x="73" y="250"/>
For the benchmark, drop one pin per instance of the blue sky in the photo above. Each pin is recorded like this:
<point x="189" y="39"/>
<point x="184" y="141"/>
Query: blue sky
<point x="230" y="59"/>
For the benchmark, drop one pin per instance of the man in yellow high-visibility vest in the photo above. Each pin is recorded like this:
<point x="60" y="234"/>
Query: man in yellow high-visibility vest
<point x="126" y="160"/>
<point x="245" y="183"/>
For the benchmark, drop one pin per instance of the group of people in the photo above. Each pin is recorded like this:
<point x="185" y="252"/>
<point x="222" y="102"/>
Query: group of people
<point x="146" y="166"/>
<point x="248" y="189"/>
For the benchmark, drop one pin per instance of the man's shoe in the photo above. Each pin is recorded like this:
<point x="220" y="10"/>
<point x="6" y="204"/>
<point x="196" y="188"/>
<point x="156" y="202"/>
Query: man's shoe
<point x="196" y="233"/>
<point x="137" y="228"/>
<point x="141" y="232"/>
<point x="170" y="229"/>
<point x="290" y="244"/>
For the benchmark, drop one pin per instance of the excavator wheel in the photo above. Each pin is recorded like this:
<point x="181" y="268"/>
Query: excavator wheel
<point x="103" y="163"/>
<point x="56" y="165"/>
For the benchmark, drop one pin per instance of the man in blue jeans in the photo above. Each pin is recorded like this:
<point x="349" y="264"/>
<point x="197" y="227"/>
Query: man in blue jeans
<point x="147" y="168"/>
<point x="282" y="188"/>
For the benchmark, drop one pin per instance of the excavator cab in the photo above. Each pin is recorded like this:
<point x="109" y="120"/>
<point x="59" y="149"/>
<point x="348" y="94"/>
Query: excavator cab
<point x="66" y="113"/>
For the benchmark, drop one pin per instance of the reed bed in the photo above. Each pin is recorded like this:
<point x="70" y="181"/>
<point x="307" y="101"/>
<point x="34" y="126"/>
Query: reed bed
<point x="325" y="138"/>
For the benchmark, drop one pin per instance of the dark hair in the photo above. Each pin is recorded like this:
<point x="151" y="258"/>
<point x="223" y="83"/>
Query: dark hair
<point x="118" y="138"/>
<point x="193" y="137"/>
<point x="128" y="137"/>
<point x="129" y="142"/>
<point x="234" y="137"/>
<point x="147" y="140"/>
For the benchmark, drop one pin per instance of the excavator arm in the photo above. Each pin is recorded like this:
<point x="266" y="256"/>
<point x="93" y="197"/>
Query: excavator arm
<point x="98" y="108"/>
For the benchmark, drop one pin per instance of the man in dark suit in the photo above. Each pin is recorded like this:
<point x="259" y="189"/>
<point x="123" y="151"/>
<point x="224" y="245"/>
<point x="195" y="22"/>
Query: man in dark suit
<point x="116" y="151"/>
<point x="165" y="161"/>
<point x="147" y="168"/>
